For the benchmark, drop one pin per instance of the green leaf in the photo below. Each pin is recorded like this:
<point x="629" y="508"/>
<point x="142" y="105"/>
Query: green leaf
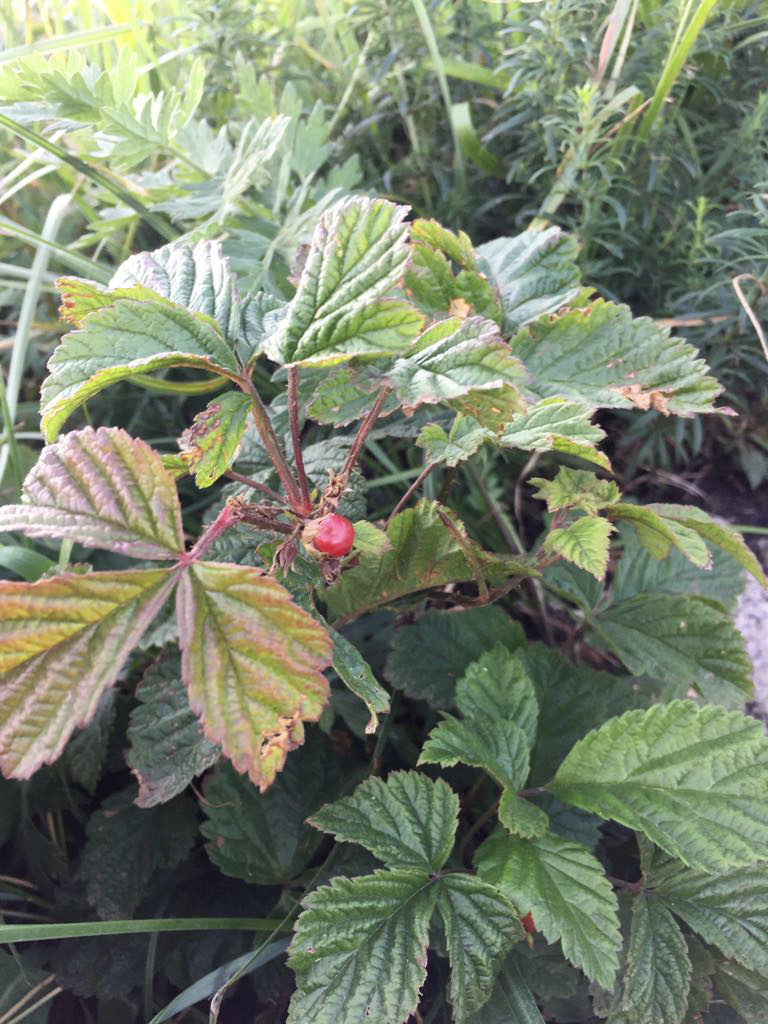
<point x="64" y="641"/>
<point x="101" y="488"/>
<point x="355" y="672"/>
<point x="86" y="751"/>
<point x="744" y="990"/>
<point x="480" y="927"/>
<point x="424" y="554"/>
<point x="409" y="821"/>
<point x="24" y="562"/>
<point x="252" y="660"/>
<point x="360" y="949"/>
<point x="125" y="845"/>
<point x="168" y="748"/>
<point x="210" y="445"/>
<point x="680" y="640"/>
<point x="586" y="543"/>
<point x="122" y="340"/>
<point x="557" y="425"/>
<point x="20" y="983"/>
<point x="658" y="536"/>
<point x="658" y="968"/>
<point x="263" y="838"/>
<point x="576" y="488"/>
<point x="347" y="392"/>
<point x="565" y="889"/>
<point x="692" y="779"/>
<point x="498" y="747"/>
<point x="511" y="1002"/>
<point x="520" y="817"/>
<point x="603" y="355"/>
<point x="729" y="911"/>
<point x="429" y="657"/>
<point x="497" y="686"/>
<point x="357" y="255"/>
<point x="453" y="358"/>
<point x="535" y="273"/>
<point x="79" y="297"/>
<point x="465" y="437"/>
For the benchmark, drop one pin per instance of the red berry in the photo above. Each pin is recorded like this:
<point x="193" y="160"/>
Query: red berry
<point x="335" y="535"/>
<point x="528" y="923"/>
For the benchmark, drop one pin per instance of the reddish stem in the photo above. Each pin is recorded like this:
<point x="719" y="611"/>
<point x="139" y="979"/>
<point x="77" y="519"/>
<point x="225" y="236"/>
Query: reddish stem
<point x="411" y="490"/>
<point x="227" y="517"/>
<point x="293" y="417"/>
<point x="272" y="445"/>
<point x="255" y="485"/>
<point x="364" y="430"/>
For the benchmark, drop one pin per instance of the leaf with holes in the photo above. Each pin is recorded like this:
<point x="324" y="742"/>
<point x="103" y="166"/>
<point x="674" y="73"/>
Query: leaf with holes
<point x="210" y="445"/>
<point x="575" y="488"/>
<point x="253" y="662"/>
<point x="64" y="641"/>
<point x="101" y="488"/>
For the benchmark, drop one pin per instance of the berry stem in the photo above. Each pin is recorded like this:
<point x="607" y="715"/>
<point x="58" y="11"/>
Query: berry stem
<point x="411" y="490"/>
<point x="255" y="485"/>
<point x="363" y="431"/>
<point x="272" y="445"/>
<point x="293" y="417"/>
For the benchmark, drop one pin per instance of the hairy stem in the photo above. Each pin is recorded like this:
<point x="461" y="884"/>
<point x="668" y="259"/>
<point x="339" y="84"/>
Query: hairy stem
<point x="227" y="517"/>
<point x="255" y="485"/>
<point x="465" y="544"/>
<point x="272" y="445"/>
<point x="411" y="490"/>
<point x="364" y="430"/>
<point x="293" y="416"/>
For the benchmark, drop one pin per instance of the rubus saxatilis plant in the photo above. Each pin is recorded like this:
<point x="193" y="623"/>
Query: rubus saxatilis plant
<point x="474" y="353"/>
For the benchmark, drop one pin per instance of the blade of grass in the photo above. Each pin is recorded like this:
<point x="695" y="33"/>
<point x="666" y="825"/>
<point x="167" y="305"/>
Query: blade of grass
<point x="70" y="41"/>
<point x="86" y="266"/>
<point x="87" y="929"/>
<point x="25" y="562"/>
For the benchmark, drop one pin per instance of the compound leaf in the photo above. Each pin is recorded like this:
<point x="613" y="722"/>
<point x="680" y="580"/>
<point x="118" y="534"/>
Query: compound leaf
<point x="101" y="488"/>
<point x="64" y="641"/>
<point x="252" y="660"/>
<point x="585" y="542"/>
<point x="210" y="445"/>
<point x="409" y="821"/>
<point x="563" y="886"/>
<point x="360" y="949"/>
<point x="693" y="779"/>
<point x="658" y="970"/>
<point x="168" y="747"/>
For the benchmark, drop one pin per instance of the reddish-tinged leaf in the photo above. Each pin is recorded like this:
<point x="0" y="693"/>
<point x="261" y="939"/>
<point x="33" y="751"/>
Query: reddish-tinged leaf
<point x="79" y="297"/>
<point x="103" y="489"/>
<point x="63" y="641"/>
<point x="253" y="662"/>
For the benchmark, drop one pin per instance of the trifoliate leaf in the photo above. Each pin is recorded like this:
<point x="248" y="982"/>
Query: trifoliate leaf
<point x="658" y="968"/>
<point x="453" y="358"/>
<point x="499" y="747"/>
<point x="557" y="425"/>
<point x="101" y="488"/>
<point x="497" y="686"/>
<point x="585" y="542"/>
<point x="408" y="821"/>
<point x="535" y="272"/>
<point x="357" y="255"/>
<point x="253" y="662"/>
<point x="429" y="657"/>
<point x="210" y="445"/>
<point x="263" y="838"/>
<point x="425" y="553"/>
<point x="679" y="640"/>
<point x="355" y="672"/>
<point x="127" y="844"/>
<point x="360" y="949"/>
<point x="480" y="927"/>
<point x="565" y="889"/>
<point x="465" y="437"/>
<point x="122" y="340"/>
<point x="63" y="643"/>
<point x="168" y="747"/>
<point x="79" y="297"/>
<point x="729" y="911"/>
<point x="603" y="355"/>
<point x="693" y="779"/>
<point x="575" y="488"/>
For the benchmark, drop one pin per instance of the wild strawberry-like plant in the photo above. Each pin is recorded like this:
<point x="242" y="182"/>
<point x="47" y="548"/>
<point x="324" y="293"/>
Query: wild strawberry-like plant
<point x="562" y="830"/>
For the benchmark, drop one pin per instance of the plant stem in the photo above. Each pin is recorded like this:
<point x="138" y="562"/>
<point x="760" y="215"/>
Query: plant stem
<point x="364" y="430"/>
<point x="255" y="485"/>
<point x="466" y="545"/>
<point x="271" y="443"/>
<point x="411" y="490"/>
<point x="293" y="417"/>
<point x="226" y="518"/>
<point x="484" y="818"/>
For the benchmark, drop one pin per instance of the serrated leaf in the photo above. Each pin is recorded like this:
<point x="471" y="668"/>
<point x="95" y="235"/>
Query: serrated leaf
<point x="480" y="927"/>
<point x="347" y="393"/>
<point x="168" y="747"/>
<point x="101" y="488"/>
<point x="210" y="445"/>
<point x="658" y="536"/>
<point x="603" y="355"/>
<point x="521" y="817"/>
<point x="576" y="488"/>
<point x="63" y="643"/>
<point x="429" y="657"/>
<point x="409" y="821"/>
<point x="451" y="359"/>
<point x="658" y="968"/>
<point x="498" y="747"/>
<point x="357" y="255"/>
<point x="125" y="845"/>
<point x="585" y="542"/>
<point x="557" y="425"/>
<point x="729" y="911"/>
<point x="744" y="990"/>
<point x="252" y="660"/>
<point x="122" y="340"/>
<point x="511" y="1001"/>
<point x="263" y="838"/>
<point x="565" y="889"/>
<point x="497" y="686"/>
<point x="692" y="779"/>
<point x="360" y="949"/>
<point x="535" y="273"/>
<point x="355" y="672"/>
<point x="465" y="437"/>
<point x="425" y="553"/>
<point x="79" y="297"/>
<point x="679" y="639"/>
<point x="87" y="749"/>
